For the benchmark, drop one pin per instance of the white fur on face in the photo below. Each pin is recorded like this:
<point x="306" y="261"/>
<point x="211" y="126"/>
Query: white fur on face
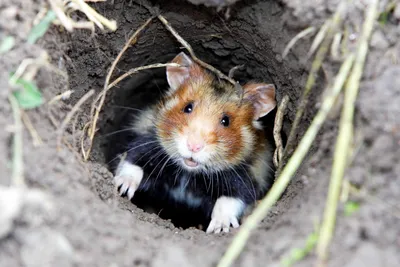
<point x="128" y="176"/>
<point x="225" y="213"/>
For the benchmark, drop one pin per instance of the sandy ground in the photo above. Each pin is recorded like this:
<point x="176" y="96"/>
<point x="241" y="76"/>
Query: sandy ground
<point x="71" y="215"/>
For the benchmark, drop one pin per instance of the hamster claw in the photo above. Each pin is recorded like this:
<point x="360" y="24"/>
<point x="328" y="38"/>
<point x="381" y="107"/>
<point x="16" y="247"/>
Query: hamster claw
<point x="128" y="179"/>
<point x="225" y="213"/>
<point x="216" y="226"/>
<point x="126" y="185"/>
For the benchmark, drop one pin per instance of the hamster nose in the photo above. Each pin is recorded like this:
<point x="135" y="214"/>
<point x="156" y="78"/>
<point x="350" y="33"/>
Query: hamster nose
<point x="195" y="146"/>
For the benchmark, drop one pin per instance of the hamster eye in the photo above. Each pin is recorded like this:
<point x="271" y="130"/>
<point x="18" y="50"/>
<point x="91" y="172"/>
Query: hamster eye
<point x="225" y="121"/>
<point x="188" y="108"/>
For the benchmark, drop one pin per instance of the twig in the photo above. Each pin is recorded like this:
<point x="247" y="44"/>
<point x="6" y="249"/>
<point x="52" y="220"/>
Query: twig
<point x="68" y="23"/>
<point x="232" y="71"/>
<point x="51" y="117"/>
<point x="283" y="180"/>
<point x="298" y="36"/>
<point x="36" y="140"/>
<point x="193" y="55"/>
<point x="59" y="9"/>
<point x="84" y="153"/>
<point x="35" y="63"/>
<point x="311" y="77"/>
<point x="17" y="156"/>
<point x="136" y="70"/>
<point x="70" y="114"/>
<point x="345" y="136"/>
<point x="95" y="110"/>
<point x="277" y="130"/>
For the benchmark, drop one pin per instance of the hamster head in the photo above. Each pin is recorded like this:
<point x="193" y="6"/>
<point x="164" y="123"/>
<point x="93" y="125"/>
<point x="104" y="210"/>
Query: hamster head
<point x="203" y="124"/>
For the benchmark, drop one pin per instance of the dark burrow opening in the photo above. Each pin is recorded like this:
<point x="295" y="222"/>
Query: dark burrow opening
<point x="139" y="92"/>
<point x="254" y="37"/>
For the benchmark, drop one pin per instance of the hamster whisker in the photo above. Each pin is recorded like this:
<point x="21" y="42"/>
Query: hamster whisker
<point x="148" y="177"/>
<point x="229" y="185"/>
<point x="162" y="168"/>
<point x="145" y="144"/>
<point x="154" y="157"/>
<point x="251" y="181"/>
<point x="226" y="184"/>
<point x="115" y="132"/>
<point x="125" y="107"/>
<point x="252" y="193"/>
<point x="156" y="147"/>
<point x="177" y="174"/>
<point x="187" y="182"/>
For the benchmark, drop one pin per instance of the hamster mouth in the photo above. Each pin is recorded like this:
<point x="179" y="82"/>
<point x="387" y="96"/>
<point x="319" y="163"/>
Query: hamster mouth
<point x="190" y="162"/>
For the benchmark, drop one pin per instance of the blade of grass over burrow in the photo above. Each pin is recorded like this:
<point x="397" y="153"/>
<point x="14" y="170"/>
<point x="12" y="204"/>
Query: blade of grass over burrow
<point x="293" y="164"/>
<point x="345" y="135"/>
<point x="316" y="65"/>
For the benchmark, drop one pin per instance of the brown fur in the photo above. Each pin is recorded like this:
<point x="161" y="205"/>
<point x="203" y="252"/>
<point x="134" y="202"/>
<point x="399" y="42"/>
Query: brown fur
<point x="209" y="108"/>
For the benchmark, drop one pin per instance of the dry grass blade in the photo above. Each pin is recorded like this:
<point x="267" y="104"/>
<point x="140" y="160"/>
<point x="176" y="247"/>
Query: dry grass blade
<point x="70" y="115"/>
<point x="233" y="70"/>
<point x="95" y="110"/>
<point x="284" y="178"/>
<point x="136" y="70"/>
<point x="294" y="40"/>
<point x="63" y="9"/>
<point x="277" y="131"/>
<point x="344" y="139"/>
<point x="322" y="51"/>
<point x="189" y="48"/>
<point x="335" y="48"/>
<point x="36" y="140"/>
<point x="29" y="67"/>
<point x="17" y="156"/>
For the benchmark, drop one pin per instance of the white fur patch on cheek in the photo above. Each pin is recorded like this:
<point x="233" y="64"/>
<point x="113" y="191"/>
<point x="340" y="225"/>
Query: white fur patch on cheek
<point x="248" y="140"/>
<point x="225" y="213"/>
<point x="128" y="177"/>
<point x="257" y="125"/>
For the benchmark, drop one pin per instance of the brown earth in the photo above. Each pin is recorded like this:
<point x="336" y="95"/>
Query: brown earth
<point x="71" y="216"/>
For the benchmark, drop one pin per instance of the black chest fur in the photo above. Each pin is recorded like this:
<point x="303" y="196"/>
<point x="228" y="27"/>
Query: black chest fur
<point x="169" y="183"/>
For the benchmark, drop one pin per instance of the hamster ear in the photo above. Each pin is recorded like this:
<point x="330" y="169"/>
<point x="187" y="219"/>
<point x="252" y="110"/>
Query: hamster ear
<point x="262" y="96"/>
<point x="177" y="75"/>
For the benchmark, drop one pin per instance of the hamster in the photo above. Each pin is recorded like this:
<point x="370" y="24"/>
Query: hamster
<point x="201" y="145"/>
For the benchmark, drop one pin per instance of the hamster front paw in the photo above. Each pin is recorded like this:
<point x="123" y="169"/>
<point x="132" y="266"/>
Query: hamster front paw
<point x="225" y="213"/>
<point x="128" y="178"/>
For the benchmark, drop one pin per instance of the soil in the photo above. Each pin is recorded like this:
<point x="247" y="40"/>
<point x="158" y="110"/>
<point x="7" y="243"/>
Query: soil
<point x="70" y="214"/>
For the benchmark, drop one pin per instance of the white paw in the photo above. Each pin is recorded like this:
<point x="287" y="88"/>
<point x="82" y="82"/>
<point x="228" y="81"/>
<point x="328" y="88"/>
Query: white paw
<point x="225" y="213"/>
<point x="128" y="178"/>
